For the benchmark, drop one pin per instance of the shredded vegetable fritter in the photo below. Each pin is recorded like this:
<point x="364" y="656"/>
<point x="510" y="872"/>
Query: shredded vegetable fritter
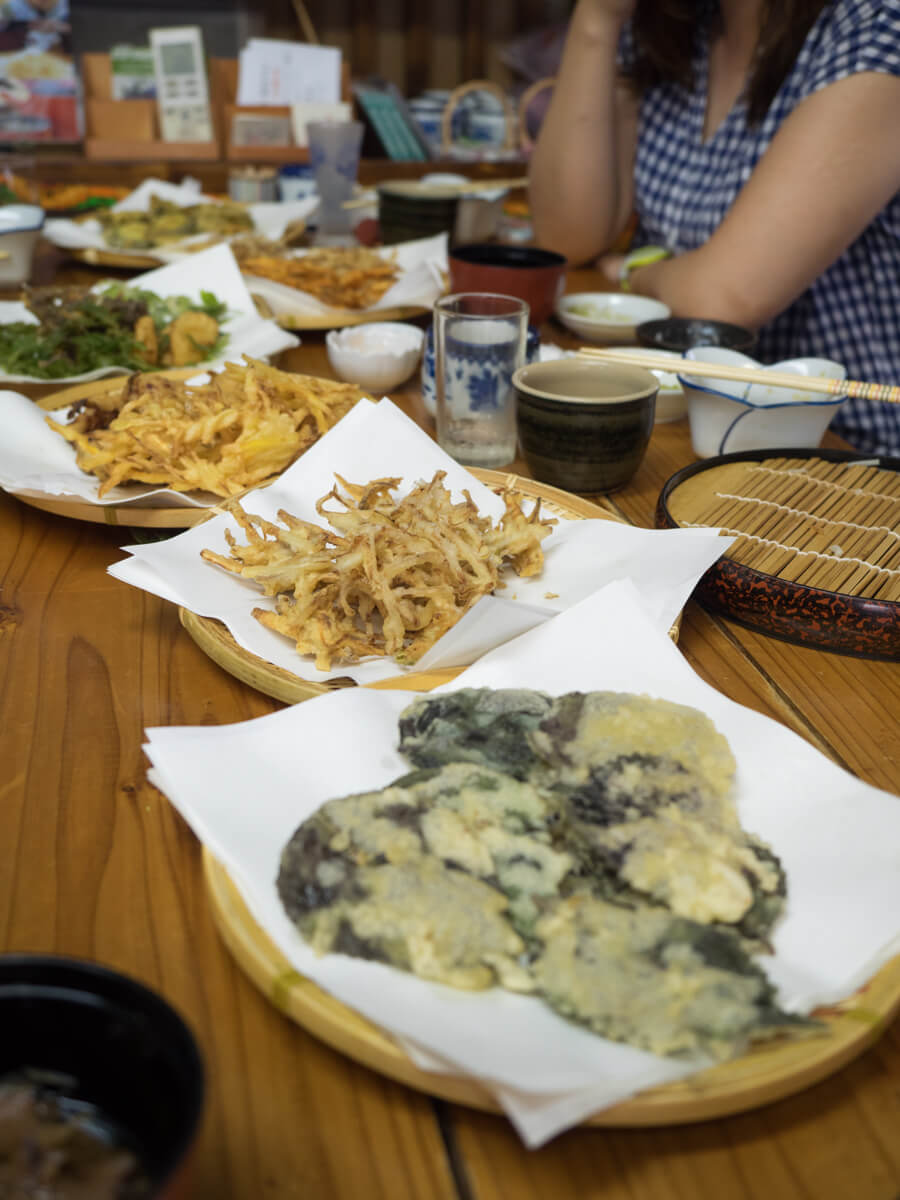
<point x="391" y="576"/>
<point x="247" y="424"/>
<point x="343" y="276"/>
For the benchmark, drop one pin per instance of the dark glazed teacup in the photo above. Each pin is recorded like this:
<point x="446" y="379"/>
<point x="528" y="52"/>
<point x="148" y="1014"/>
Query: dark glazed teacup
<point x="584" y="426"/>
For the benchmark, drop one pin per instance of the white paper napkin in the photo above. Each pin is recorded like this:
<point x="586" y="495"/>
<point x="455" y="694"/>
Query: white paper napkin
<point x="214" y="270"/>
<point x="244" y="789"/>
<point x="269" y="219"/>
<point x="419" y="284"/>
<point x="377" y="440"/>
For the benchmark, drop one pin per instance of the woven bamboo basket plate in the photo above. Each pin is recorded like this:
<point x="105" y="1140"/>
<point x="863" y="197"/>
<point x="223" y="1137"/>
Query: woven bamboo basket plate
<point x="817" y="560"/>
<point x="339" y="317"/>
<point x="769" y="1072"/>
<point x="214" y="639"/>
<point x="116" y="258"/>
<point x="171" y="517"/>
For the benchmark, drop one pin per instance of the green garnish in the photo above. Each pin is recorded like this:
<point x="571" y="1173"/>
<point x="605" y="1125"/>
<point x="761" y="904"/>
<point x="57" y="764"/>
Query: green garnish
<point x="97" y="330"/>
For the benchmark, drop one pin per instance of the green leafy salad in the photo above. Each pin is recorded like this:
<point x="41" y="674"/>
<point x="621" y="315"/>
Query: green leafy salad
<point x="79" y="330"/>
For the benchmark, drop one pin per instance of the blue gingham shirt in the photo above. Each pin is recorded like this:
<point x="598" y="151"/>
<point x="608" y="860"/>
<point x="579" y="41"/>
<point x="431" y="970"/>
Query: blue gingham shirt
<point x="684" y="187"/>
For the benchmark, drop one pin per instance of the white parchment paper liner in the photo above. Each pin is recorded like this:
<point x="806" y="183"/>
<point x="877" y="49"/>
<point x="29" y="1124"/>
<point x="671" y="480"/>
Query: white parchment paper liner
<point x="419" y="283"/>
<point x="244" y="788"/>
<point x="270" y="220"/>
<point x="214" y="270"/>
<point x="377" y="440"/>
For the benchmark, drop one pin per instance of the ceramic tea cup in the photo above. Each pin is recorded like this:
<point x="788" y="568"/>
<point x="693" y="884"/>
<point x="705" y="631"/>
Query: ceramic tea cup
<point x="584" y="426"/>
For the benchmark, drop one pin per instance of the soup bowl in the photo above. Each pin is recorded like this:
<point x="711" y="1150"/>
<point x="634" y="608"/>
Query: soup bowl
<point x="584" y="426"/>
<point x="101" y="1050"/>
<point x="726" y="417"/>
<point x="526" y="272"/>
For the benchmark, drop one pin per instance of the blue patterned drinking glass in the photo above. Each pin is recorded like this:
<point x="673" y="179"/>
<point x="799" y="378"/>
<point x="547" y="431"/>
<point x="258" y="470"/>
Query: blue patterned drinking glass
<point x="479" y="341"/>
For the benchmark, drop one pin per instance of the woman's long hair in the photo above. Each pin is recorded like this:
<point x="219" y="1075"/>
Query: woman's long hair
<point x="664" y="43"/>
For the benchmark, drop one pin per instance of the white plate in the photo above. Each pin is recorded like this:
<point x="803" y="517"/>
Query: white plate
<point x="608" y="316"/>
<point x="671" y="404"/>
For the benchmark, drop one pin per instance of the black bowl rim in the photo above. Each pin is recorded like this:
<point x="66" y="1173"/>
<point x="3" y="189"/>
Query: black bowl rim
<point x="124" y="990"/>
<point x="545" y="258"/>
<point x="743" y="337"/>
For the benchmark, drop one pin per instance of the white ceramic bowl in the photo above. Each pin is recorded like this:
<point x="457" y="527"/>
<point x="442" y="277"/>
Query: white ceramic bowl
<point x="671" y="404"/>
<point x="726" y="417"/>
<point x="378" y="357"/>
<point x="20" y="228"/>
<point x="608" y="316"/>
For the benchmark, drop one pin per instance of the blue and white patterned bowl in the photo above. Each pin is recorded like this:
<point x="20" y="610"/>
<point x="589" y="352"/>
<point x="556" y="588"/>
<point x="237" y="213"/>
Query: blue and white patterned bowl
<point x="726" y="417"/>
<point x="532" y="347"/>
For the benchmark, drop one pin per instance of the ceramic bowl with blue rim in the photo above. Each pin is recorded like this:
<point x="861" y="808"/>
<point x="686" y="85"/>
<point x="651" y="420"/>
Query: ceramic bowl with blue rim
<point x="727" y="417"/>
<point x="532" y="348"/>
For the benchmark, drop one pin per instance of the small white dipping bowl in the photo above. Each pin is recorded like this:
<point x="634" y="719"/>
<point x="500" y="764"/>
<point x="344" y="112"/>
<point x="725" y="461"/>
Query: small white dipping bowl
<point x="727" y="417"/>
<point x="671" y="404"/>
<point x="20" y="228"/>
<point x="378" y="357"/>
<point x="608" y="316"/>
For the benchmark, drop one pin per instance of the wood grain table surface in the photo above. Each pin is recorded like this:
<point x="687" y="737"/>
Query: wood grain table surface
<point x="96" y="864"/>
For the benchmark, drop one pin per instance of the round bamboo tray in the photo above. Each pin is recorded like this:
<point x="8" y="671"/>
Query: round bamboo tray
<point x="170" y="517"/>
<point x="817" y="560"/>
<point x="770" y="1071"/>
<point x="216" y="641"/>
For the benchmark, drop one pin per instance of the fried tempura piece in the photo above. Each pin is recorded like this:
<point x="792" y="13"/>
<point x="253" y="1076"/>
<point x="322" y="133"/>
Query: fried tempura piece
<point x="243" y="427"/>
<point x="343" y="276"/>
<point x="390" y="576"/>
<point x="145" y="333"/>
<point x="190" y="337"/>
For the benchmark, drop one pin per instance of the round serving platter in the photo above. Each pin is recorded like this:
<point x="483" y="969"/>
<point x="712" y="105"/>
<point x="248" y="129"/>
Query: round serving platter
<point x="214" y="639"/>
<point x="116" y="258"/>
<point x="817" y="561"/>
<point x="337" y="318"/>
<point x="770" y="1071"/>
<point x="170" y="517"/>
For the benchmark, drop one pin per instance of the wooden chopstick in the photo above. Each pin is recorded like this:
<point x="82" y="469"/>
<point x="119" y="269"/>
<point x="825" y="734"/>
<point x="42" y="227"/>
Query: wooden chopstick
<point x="884" y="392"/>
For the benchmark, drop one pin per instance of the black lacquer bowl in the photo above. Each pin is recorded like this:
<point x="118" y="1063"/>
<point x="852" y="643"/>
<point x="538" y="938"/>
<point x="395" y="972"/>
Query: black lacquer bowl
<point x="110" y="1049"/>
<point x="836" y="621"/>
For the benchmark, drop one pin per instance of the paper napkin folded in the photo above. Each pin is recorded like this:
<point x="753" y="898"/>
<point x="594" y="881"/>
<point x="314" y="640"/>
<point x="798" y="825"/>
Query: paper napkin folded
<point x="244" y="789"/>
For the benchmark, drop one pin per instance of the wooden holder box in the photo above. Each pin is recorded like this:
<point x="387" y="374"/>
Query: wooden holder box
<point x="128" y="130"/>
<point x="223" y="82"/>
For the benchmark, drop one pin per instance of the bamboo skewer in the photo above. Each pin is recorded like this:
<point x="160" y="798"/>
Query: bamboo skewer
<point x="884" y="392"/>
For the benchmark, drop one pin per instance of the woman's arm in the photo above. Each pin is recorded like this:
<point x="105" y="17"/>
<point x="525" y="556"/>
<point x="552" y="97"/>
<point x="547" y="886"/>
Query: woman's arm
<point x="581" y="170"/>
<point x="833" y="165"/>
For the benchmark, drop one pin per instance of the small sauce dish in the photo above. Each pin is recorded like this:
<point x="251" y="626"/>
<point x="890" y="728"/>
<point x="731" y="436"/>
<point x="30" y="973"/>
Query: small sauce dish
<point x="608" y="316"/>
<point x="379" y="357"/>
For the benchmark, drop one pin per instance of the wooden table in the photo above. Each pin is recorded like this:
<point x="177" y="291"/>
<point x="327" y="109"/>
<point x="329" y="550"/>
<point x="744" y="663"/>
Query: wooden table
<point x="97" y="864"/>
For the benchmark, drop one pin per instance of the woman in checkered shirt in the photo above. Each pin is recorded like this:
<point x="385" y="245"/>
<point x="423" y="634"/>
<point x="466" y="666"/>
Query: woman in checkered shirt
<point x="759" y="142"/>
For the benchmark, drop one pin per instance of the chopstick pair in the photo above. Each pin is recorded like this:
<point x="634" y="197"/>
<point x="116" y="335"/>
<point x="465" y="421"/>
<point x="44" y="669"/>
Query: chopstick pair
<point x="883" y="392"/>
